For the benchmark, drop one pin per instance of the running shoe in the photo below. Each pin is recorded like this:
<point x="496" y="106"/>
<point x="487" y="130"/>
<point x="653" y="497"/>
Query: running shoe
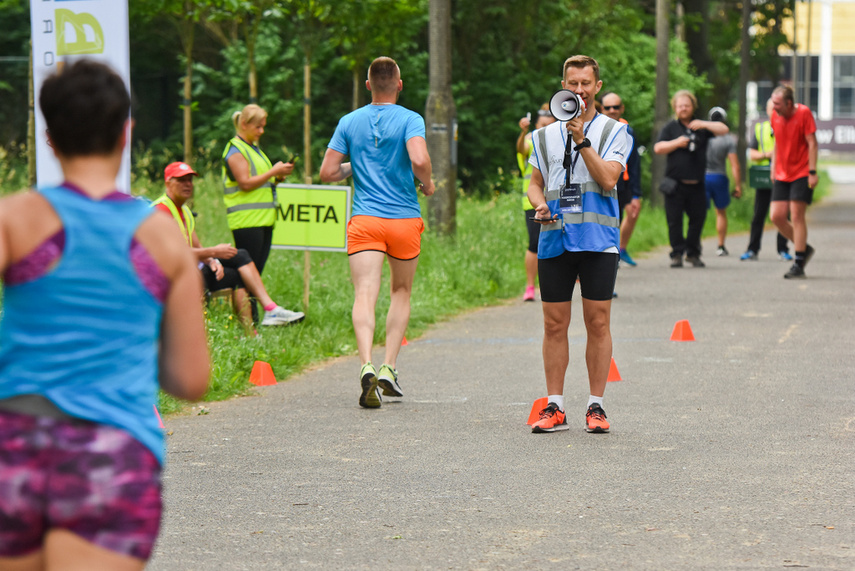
<point x="785" y="256"/>
<point x="695" y="261"/>
<point x="796" y="272"/>
<point x="626" y="258"/>
<point x="749" y="255"/>
<point x="529" y="293"/>
<point x="281" y="316"/>
<point x="677" y="262"/>
<point x="551" y="420"/>
<point x="722" y="251"/>
<point x="370" y="397"/>
<point x="595" y="419"/>
<point x="388" y="381"/>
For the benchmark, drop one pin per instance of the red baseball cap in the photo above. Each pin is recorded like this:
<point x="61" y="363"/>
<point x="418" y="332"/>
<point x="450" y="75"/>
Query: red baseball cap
<point x="177" y="169"/>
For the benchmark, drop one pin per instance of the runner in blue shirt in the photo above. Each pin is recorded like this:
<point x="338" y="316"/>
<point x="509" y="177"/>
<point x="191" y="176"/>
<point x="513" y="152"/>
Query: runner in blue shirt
<point x="387" y="148"/>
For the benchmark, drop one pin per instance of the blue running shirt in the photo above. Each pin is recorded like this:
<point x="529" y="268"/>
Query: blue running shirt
<point x="375" y="137"/>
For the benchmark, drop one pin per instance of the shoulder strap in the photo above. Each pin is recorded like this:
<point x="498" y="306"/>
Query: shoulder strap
<point x="604" y="136"/>
<point x="541" y="151"/>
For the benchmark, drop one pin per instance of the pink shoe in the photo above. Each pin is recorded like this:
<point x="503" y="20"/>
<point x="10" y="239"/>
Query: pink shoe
<point x="529" y="294"/>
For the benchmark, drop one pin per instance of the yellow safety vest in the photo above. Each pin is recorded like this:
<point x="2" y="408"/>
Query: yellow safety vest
<point x="187" y="225"/>
<point x="765" y="140"/>
<point x="525" y="173"/>
<point x="253" y="208"/>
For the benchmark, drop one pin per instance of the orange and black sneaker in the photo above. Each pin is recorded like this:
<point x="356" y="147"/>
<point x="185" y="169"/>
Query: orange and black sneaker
<point x="551" y="420"/>
<point x="595" y="419"/>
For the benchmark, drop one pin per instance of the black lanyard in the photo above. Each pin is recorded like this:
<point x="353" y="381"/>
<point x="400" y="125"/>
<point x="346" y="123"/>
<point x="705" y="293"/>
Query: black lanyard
<point x="569" y="160"/>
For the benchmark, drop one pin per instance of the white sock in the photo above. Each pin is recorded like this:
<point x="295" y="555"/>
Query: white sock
<point x="557" y="399"/>
<point x="595" y="400"/>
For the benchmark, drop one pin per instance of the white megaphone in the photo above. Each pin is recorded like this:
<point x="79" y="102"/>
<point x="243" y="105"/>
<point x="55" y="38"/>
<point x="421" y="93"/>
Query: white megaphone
<point x="566" y="105"/>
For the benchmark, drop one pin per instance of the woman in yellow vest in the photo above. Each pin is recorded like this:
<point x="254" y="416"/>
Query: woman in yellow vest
<point x="249" y="179"/>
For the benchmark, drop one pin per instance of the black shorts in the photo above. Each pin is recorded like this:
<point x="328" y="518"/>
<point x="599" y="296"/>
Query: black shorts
<point x="795" y="190"/>
<point x="597" y="272"/>
<point x="533" y="230"/>
<point x="231" y="276"/>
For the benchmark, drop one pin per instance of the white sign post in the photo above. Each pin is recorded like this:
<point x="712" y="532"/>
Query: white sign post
<point x="64" y="31"/>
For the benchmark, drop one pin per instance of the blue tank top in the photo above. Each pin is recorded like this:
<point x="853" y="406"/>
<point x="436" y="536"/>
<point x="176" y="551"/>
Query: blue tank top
<point x="85" y="334"/>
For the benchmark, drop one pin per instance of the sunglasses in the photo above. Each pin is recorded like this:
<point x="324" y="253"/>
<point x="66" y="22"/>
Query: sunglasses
<point x="611" y="107"/>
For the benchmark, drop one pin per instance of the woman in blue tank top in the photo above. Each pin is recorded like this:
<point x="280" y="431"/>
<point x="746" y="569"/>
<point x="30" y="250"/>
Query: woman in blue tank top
<point x="101" y="307"/>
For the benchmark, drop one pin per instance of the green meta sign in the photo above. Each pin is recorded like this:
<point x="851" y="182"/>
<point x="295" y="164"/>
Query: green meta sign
<point x="312" y="217"/>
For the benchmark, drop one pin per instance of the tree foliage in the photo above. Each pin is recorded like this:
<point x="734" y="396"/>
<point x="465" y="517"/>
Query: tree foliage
<point x="507" y="60"/>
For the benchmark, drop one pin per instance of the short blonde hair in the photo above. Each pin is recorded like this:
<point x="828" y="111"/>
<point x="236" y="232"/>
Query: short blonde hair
<point x="252" y="113"/>
<point x="684" y="93"/>
<point x="581" y="62"/>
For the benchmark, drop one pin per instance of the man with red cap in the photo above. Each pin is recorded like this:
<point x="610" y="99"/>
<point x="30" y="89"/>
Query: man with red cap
<point x="223" y="266"/>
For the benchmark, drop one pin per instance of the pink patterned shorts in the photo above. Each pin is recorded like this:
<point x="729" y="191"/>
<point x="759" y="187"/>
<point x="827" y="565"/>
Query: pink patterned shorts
<point x="93" y="480"/>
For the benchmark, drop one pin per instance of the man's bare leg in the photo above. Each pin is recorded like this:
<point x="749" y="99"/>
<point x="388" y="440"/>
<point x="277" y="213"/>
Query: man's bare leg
<point x="798" y="211"/>
<point x="365" y="273"/>
<point x="252" y="280"/>
<point x="403" y="273"/>
<point x="556" y="346"/>
<point x="779" y="213"/>
<point x="598" y="354"/>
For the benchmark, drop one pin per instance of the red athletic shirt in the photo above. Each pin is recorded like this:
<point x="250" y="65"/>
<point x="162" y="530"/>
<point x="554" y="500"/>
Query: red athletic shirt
<point x="791" y="148"/>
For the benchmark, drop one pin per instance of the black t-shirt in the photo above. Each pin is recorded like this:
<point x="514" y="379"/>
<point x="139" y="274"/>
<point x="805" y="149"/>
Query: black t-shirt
<point x="684" y="164"/>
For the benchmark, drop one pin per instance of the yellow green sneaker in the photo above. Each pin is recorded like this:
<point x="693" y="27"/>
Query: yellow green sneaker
<point x="388" y="381"/>
<point x="370" y="397"/>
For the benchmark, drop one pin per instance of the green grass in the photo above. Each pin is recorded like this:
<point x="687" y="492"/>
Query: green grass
<point x="481" y="266"/>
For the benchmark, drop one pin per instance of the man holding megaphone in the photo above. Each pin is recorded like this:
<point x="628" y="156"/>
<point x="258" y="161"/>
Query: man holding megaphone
<point x="576" y="164"/>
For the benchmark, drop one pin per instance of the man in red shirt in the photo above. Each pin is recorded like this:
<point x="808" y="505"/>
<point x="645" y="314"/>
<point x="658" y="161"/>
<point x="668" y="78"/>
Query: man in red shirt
<point x="793" y="173"/>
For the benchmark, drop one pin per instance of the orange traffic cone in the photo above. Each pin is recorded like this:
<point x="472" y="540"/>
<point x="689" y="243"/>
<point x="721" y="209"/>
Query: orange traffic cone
<point x="614" y="374"/>
<point x="538" y="406"/>
<point x="682" y="331"/>
<point x="157" y="414"/>
<point x="404" y="342"/>
<point x="262" y="374"/>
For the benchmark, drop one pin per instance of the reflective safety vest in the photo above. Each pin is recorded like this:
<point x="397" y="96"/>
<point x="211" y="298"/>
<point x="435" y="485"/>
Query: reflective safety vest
<point x="187" y="225"/>
<point x="525" y="174"/>
<point x="597" y="227"/>
<point x="252" y="208"/>
<point x="765" y="140"/>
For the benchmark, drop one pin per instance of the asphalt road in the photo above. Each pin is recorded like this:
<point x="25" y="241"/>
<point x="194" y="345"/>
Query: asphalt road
<point x="733" y="451"/>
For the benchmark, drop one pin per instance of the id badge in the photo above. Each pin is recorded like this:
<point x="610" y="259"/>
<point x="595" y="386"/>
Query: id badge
<point x="570" y="198"/>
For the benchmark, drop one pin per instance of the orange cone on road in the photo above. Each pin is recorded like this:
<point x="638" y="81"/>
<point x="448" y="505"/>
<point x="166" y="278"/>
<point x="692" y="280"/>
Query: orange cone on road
<point x="682" y="331"/>
<point x="262" y="374"/>
<point x="404" y="342"/>
<point x="538" y="406"/>
<point x="614" y="374"/>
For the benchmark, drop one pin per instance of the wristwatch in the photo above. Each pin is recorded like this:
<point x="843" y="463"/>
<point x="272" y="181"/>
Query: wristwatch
<point x="811" y="172"/>
<point x="585" y="143"/>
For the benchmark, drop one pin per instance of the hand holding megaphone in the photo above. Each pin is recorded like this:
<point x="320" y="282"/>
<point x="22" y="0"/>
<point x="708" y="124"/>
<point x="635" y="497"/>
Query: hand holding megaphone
<point x="566" y="105"/>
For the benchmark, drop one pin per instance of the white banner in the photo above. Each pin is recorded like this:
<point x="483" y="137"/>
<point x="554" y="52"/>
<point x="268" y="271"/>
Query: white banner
<point x="66" y="30"/>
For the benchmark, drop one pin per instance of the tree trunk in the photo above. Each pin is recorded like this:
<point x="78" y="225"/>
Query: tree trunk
<point x="358" y="88"/>
<point x="307" y="117"/>
<point x="251" y="37"/>
<point x="662" y="104"/>
<point x="188" y="93"/>
<point x="744" y="73"/>
<point x="441" y="123"/>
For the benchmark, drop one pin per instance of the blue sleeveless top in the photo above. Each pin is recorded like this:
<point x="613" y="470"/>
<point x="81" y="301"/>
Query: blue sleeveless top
<point x="85" y="334"/>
